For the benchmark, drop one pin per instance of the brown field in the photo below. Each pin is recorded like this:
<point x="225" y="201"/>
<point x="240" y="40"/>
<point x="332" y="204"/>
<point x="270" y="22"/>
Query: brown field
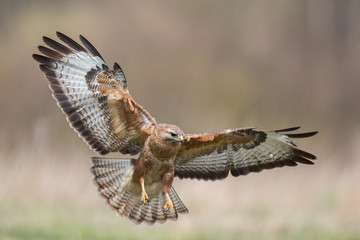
<point x="55" y="199"/>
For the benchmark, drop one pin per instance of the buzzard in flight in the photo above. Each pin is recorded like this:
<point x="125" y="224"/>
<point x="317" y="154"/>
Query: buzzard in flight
<point x="100" y="109"/>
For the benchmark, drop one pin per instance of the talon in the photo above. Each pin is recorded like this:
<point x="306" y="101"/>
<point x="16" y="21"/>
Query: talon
<point x="169" y="204"/>
<point x="144" y="197"/>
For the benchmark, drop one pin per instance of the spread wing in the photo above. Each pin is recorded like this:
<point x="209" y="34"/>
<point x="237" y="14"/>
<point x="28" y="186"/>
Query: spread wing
<point x="239" y="151"/>
<point x="94" y="98"/>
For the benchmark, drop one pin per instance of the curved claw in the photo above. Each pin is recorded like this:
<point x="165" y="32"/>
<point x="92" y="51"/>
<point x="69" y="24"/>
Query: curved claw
<point x="169" y="206"/>
<point x="144" y="198"/>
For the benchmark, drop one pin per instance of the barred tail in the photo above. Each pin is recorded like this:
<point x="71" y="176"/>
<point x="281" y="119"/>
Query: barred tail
<point x="110" y="175"/>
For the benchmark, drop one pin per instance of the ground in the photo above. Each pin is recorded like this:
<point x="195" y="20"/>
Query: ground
<point x="57" y="200"/>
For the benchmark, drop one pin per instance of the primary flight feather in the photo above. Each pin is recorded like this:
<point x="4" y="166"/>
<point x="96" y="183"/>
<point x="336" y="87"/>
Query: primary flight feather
<point x="100" y="109"/>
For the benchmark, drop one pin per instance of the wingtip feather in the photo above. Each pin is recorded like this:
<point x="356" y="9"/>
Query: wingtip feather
<point x="90" y="47"/>
<point x="288" y="129"/>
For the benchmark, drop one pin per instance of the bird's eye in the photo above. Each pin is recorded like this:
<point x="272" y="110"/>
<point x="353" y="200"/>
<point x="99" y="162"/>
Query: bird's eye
<point x="173" y="134"/>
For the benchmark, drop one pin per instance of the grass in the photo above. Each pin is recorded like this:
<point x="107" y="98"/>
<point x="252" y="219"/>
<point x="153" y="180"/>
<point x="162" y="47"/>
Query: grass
<point x="68" y="220"/>
<point x="55" y="199"/>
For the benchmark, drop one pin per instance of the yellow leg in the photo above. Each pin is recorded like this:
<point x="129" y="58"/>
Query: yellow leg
<point x="169" y="205"/>
<point x="144" y="196"/>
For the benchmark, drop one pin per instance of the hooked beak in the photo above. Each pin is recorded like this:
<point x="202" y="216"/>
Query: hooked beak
<point x="180" y="139"/>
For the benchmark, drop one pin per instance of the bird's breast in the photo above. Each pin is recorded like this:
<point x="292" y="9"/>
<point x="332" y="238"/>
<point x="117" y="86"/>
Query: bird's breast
<point x="156" y="168"/>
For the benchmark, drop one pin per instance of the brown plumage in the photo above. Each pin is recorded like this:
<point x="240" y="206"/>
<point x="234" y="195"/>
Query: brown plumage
<point x="100" y="109"/>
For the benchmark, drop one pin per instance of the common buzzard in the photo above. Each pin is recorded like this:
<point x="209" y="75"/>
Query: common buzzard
<point x="99" y="108"/>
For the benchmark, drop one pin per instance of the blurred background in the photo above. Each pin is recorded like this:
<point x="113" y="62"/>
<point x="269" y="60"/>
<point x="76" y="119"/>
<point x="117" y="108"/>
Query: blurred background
<point x="203" y="65"/>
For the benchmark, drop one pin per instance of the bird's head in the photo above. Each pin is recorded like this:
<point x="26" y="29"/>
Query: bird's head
<point x="169" y="133"/>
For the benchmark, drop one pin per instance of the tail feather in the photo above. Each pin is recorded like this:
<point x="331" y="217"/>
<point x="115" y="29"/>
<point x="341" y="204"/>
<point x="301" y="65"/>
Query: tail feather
<point x="178" y="204"/>
<point x="109" y="192"/>
<point x="118" y="202"/>
<point x="109" y="177"/>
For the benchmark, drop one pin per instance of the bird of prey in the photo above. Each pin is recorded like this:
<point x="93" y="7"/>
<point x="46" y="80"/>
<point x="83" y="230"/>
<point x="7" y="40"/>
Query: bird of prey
<point x="98" y="106"/>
